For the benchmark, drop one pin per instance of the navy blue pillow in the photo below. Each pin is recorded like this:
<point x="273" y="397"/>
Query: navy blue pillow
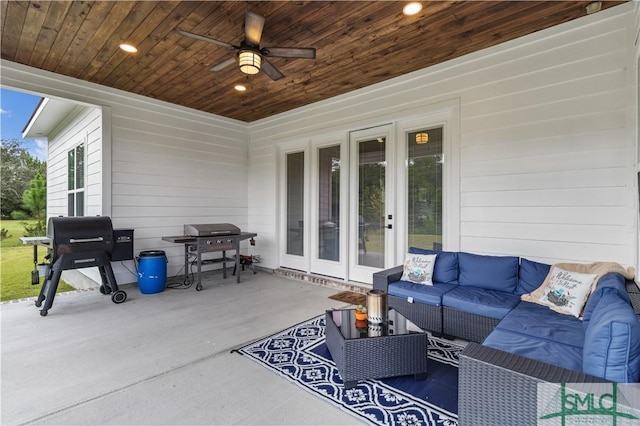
<point x="531" y="275"/>
<point x="445" y="270"/>
<point x="490" y="272"/>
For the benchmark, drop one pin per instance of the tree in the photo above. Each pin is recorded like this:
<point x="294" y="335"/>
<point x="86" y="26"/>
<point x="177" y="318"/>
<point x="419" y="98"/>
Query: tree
<point x="34" y="199"/>
<point x="17" y="168"/>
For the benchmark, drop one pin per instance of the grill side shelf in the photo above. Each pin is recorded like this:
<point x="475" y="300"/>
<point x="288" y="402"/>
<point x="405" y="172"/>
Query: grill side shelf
<point x="180" y="239"/>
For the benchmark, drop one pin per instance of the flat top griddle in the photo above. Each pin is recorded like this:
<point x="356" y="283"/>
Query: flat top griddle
<point x="198" y="245"/>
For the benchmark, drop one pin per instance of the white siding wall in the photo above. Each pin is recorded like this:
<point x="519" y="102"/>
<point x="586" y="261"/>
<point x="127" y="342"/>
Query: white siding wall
<point x="547" y="147"/>
<point x="547" y="143"/>
<point x="164" y="165"/>
<point x="83" y="126"/>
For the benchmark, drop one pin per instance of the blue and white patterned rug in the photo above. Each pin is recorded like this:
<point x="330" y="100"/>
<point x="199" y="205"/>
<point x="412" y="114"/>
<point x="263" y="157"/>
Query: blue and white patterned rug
<point x="300" y="355"/>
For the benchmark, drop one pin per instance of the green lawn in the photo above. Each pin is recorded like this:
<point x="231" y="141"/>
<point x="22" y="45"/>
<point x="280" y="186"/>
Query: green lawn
<point x="375" y="242"/>
<point x="16" y="264"/>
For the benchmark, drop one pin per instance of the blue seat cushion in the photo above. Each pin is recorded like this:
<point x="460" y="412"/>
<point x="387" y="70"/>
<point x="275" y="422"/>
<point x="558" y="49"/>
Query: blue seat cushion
<point x="531" y="275"/>
<point x="542" y="323"/>
<point x="445" y="270"/>
<point x="611" y="280"/>
<point x="429" y="294"/>
<point x="539" y="349"/>
<point x="479" y="301"/>
<point x="612" y="340"/>
<point x="490" y="272"/>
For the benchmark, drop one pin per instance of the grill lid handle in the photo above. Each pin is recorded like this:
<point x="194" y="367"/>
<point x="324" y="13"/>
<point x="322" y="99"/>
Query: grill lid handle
<point x="86" y="240"/>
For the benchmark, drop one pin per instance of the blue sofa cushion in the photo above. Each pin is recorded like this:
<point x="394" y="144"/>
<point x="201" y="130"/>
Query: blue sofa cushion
<point x="490" y="272"/>
<point x="555" y="353"/>
<point x="538" y="321"/>
<point x="531" y="275"/>
<point x="611" y="280"/>
<point x="479" y="301"/>
<point x="429" y="294"/>
<point x="612" y="340"/>
<point x="445" y="270"/>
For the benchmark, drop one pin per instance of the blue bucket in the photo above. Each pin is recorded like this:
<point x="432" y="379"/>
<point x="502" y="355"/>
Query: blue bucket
<point x="152" y="271"/>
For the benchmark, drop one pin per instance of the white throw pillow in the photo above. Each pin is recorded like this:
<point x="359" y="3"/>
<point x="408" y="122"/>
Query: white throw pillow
<point x="418" y="268"/>
<point x="567" y="291"/>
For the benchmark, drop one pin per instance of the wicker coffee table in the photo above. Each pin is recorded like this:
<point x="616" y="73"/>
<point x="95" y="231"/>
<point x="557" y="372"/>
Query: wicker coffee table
<point x="364" y="351"/>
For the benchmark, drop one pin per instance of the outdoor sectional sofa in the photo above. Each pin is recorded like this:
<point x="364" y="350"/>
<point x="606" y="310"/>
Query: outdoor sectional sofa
<point x="517" y="344"/>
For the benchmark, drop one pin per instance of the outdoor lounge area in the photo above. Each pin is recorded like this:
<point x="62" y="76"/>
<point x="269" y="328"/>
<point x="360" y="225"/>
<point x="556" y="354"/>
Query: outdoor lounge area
<point x="499" y="139"/>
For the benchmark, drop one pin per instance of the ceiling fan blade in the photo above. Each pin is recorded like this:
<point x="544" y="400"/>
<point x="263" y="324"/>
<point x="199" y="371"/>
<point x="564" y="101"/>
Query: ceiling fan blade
<point x="270" y="70"/>
<point x="290" y="52"/>
<point x="207" y="39"/>
<point x="253" y="25"/>
<point x="223" y="65"/>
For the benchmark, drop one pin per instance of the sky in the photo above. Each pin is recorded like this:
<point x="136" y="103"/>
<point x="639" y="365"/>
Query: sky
<point x="15" y="110"/>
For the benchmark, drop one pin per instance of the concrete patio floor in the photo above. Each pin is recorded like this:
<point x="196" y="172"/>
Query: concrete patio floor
<point x="158" y="359"/>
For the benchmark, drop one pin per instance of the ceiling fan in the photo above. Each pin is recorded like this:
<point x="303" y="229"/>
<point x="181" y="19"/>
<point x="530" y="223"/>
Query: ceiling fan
<point x="251" y="58"/>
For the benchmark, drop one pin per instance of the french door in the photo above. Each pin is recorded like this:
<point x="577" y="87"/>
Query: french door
<point x="371" y="202"/>
<point x="351" y="205"/>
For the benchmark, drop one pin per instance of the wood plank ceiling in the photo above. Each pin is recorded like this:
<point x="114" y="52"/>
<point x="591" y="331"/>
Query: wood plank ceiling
<point x="359" y="43"/>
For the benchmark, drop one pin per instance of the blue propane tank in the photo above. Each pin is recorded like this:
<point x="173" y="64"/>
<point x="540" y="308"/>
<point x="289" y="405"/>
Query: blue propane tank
<point x="152" y="271"/>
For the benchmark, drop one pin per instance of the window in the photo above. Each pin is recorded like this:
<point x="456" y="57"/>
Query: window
<point x="295" y="204"/>
<point x="75" y="179"/>
<point x="424" y="189"/>
<point x="329" y="203"/>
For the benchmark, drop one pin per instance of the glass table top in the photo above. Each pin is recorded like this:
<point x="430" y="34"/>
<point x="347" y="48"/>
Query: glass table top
<point x="351" y="328"/>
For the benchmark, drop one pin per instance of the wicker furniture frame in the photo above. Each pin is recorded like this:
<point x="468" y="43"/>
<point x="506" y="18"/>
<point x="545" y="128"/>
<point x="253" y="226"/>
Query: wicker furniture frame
<point x="500" y="388"/>
<point x="467" y="326"/>
<point x="427" y="317"/>
<point x="495" y="388"/>
<point x="376" y="357"/>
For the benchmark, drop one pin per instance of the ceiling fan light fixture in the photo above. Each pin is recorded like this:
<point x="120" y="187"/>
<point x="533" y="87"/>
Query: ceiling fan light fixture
<point x="412" y="8"/>
<point x="249" y="62"/>
<point x="240" y="88"/>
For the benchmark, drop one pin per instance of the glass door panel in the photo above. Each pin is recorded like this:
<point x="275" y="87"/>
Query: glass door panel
<point x="371" y="202"/>
<point x="424" y="188"/>
<point x="295" y="203"/>
<point x="329" y="203"/>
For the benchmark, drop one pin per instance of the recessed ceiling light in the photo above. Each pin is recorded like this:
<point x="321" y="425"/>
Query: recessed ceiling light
<point x="128" y="48"/>
<point x="240" y="88"/>
<point x="412" y="8"/>
<point x="594" y="7"/>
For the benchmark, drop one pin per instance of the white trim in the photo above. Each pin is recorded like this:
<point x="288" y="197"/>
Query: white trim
<point x="337" y="269"/>
<point x="106" y="160"/>
<point x="300" y="263"/>
<point x="357" y="272"/>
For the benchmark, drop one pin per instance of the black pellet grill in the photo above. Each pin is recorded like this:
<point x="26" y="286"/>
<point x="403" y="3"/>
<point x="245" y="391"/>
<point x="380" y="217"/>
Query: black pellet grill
<point x="75" y="243"/>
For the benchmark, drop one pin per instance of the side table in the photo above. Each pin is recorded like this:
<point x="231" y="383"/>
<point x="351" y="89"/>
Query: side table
<point x="387" y="350"/>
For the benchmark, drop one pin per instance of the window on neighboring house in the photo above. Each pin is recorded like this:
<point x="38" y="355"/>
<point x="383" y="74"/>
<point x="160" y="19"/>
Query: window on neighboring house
<point x="75" y="190"/>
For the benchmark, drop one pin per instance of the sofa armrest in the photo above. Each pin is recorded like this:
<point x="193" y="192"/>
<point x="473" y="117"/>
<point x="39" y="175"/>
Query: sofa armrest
<point x="500" y="388"/>
<point x="382" y="279"/>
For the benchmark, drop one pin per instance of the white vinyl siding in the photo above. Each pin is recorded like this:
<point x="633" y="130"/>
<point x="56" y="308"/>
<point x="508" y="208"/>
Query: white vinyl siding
<point x="163" y="165"/>
<point x="547" y="146"/>
<point x="83" y="126"/>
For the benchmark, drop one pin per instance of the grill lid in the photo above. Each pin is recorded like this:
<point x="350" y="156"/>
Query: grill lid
<point x="211" y="229"/>
<point x="80" y="234"/>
